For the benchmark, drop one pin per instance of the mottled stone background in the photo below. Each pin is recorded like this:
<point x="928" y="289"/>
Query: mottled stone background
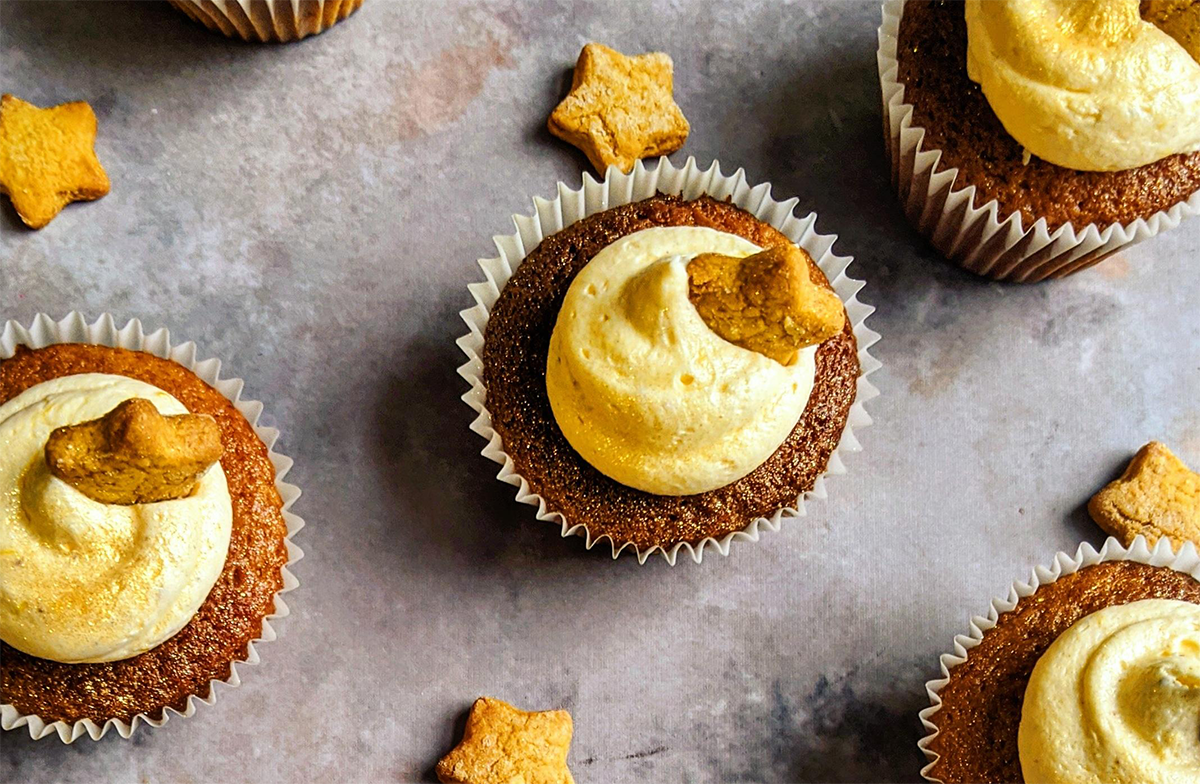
<point x="312" y="213"/>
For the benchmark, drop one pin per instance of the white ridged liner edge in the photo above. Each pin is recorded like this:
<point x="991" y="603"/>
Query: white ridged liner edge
<point x="690" y="182"/>
<point x="1186" y="561"/>
<point x="977" y="238"/>
<point x="44" y="331"/>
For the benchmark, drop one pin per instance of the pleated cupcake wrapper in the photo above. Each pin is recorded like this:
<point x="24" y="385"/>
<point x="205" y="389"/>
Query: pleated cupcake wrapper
<point x="981" y="238"/>
<point x="617" y="188"/>
<point x="268" y="21"/>
<point x="44" y="331"/>
<point x="1185" y="560"/>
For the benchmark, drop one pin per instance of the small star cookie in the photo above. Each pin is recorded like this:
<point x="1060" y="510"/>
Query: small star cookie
<point x="48" y="158"/>
<point x="620" y="109"/>
<point x="504" y="745"/>
<point x="1156" y="496"/>
<point x="766" y="302"/>
<point x="135" y="455"/>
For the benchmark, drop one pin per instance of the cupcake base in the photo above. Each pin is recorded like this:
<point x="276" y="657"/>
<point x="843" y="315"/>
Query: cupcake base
<point x="689" y="183"/>
<point x="958" y="120"/>
<point x="963" y="181"/>
<point x="515" y="350"/>
<point x="74" y="700"/>
<point x="268" y="21"/>
<point x="975" y="707"/>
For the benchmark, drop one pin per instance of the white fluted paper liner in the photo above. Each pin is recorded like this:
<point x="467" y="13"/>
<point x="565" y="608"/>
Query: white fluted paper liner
<point x="980" y="238"/>
<point x="44" y="331"/>
<point x="268" y="21"/>
<point x="1186" y="561"/>
<point x="690" y="182"/>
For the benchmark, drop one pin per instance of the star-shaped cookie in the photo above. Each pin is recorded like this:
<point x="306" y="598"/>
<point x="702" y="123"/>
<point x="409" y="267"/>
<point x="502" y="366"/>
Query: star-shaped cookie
<point x="1156" y="496"/>
<point x="620" y="109"/>
<point x="48" y="158"/>
<point x="504" y="745"/>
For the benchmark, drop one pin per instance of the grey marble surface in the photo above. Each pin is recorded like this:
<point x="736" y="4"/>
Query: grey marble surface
<point x="311" y="215"/>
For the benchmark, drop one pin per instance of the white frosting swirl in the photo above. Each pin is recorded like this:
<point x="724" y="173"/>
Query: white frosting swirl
<point x="1085" y="84"/>
<point x="645" y="391"/>
<point x="1116" y="698"/>
<point x="82" y="581"/>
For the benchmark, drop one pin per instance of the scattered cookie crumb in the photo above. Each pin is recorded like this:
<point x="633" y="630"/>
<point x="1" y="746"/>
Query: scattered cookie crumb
<point x="1157" y="496"/>
<point x="48" y="158"/>
<point x="135" y="455"/>
<point x="765" y="302"/>
<point x="504" y="745"/>
<point x="620" y="109"/>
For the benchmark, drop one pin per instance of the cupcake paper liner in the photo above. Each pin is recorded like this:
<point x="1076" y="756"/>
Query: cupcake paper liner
<point x="617" y="188"/>
<point x="980" y="238"/>
<point x="1185" y="560"/>
<point x="268" y="21"/>
<point x="104" y="332"/>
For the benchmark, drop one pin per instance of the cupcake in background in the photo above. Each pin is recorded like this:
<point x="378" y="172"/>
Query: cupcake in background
<point x="1089" y="672"/>
<point x="1020" y="177"/>
<point x="268" y="21"/>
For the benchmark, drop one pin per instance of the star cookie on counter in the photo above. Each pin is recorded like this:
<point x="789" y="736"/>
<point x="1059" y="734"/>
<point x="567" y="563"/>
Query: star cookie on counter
<point x="620" y="109"/>
<point x="48" y="158"/>
<point x="503" y="744"/>
<point x="1156" y="496"/>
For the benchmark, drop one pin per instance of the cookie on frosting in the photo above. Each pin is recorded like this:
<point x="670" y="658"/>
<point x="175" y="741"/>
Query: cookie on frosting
<point x="765" y="302"/>
<point x="134" y="454"/>
<point x="620" y="109"/>
<point x="1157" y="496"/>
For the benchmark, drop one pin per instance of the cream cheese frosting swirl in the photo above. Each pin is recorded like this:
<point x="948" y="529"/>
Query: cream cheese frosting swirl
<point x="83" y="581"/>
<point x="1085" y="84"/>
<point x="1116" y="698"/>
<point x="645" y="391"/>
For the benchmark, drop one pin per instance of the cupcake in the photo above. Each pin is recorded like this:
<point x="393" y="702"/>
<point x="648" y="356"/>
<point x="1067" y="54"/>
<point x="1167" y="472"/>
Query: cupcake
<point x="1090" y="672"/>
<point x="143" y="528"/>
<point x="268" y="21"/>
<point x="640" y="384"/>
<point x="1030" y="139"/>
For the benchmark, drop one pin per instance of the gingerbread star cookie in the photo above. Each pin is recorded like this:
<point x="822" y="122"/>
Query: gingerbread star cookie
<point x="1156" y="496"/>
<point x="504" y="745"/>
<point x="765" y="302"/>
<point x="620" y="109"/>
<point x="135" y="455"/>
<point x="48" y="158"/>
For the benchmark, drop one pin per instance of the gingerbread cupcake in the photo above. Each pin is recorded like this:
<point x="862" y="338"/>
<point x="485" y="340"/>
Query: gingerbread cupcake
<point x="1088" y="672"/>
<point x="1030" y="139"/>
<point x="667" y="360"/>
<point x="144" y="531"/>
<point x="268" y="21"/>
